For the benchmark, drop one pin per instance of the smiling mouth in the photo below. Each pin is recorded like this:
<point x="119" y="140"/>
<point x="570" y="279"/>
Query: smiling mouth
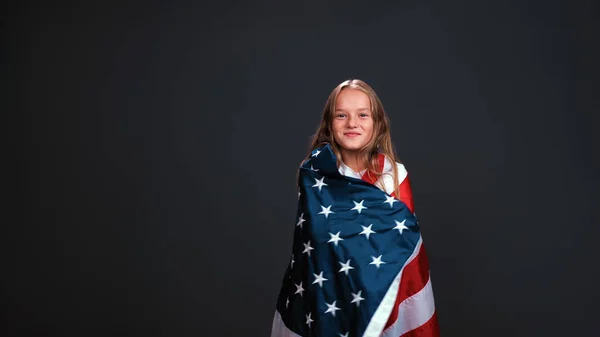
<point x="351" y="134"/>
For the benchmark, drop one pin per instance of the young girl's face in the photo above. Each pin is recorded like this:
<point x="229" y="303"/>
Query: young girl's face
<point x="352" y="120"/>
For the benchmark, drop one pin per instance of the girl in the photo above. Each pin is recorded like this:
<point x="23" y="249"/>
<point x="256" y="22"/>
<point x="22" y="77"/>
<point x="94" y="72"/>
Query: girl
<point x="358" y="265"/>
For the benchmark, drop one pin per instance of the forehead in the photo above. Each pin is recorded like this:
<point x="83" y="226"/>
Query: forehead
<point x="352" y="99"/>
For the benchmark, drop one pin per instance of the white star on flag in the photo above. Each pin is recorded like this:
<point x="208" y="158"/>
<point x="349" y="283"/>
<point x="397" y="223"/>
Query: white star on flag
<point x="299" y="289"/>
<point x="319" y="279"/>
<point x="358" y="206"/>
<point x="287" y="302"/>
<point x="345" y="267"/>
<point x="301" y="220"/>
<point x="356" y="298"/>
<point x="319" y="183"/>
<point x="335" y="238"/>
<point x="390" y="200"/>
<point x="307" y="248"/>
<point x="377" y="261"/>
<point x="314" y="169"/>
<point x="316" y="153"/>
<point x="331" y="308"/>
<point x="292" y="263"/>
<point x="326" y="210"/>
<point x="308" y="319"/>
<point x="367" y="231"/>
<point x="344" y="335"/>
<point x="400" y="226"/>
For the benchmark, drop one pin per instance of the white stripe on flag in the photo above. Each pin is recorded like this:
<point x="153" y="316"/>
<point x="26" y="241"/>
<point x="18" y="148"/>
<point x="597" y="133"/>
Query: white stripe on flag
<point x="387" y="179"/>
<point x="413" y="312"/>
<point x="279" y="329"/>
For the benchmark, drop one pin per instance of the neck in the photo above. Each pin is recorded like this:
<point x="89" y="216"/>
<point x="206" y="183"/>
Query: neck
<point x="353" y="160"/>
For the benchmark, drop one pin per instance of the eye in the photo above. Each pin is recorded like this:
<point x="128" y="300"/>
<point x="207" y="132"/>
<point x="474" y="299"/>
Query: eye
<point x="364" y="115"/>
<point x="340" y="115"/>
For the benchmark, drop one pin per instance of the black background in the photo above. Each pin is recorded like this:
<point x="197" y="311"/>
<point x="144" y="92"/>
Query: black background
<point x="157" y="144"/>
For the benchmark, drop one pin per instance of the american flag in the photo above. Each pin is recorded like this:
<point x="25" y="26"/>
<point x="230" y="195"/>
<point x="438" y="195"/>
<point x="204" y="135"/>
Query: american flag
<point x="358" y="264"/>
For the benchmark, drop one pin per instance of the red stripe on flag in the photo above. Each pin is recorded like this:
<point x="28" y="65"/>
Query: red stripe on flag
<point x="414" y="277"/>
<point x="429" y="329"/>
<point x="406" y="195"/>
<point x="370" y="178"/>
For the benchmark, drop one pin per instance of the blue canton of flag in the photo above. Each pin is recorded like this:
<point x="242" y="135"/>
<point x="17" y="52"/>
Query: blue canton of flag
<point x="351" y="240"/>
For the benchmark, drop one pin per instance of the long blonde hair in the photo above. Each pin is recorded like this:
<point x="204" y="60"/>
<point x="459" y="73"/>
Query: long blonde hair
<point x="380" y="142"/>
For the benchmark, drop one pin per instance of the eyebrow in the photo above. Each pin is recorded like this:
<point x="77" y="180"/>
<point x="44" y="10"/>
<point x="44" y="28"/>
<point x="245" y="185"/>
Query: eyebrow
<point x="361" y="109"/>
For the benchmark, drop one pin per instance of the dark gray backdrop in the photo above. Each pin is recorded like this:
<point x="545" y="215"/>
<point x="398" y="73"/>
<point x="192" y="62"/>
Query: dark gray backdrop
<point x="158" y="143"/>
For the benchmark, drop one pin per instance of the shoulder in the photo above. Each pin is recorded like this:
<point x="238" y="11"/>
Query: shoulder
<point x="388" y="169"/>
<point x="386" y="181"/>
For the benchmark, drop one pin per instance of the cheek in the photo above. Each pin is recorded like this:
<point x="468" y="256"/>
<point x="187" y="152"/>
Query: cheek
<point x="369" y="127"/>
<point x="336" y="127"/>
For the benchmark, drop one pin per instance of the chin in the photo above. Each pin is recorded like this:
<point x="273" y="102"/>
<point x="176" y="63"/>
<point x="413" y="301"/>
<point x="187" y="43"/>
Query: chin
<point x="352" y="146"/>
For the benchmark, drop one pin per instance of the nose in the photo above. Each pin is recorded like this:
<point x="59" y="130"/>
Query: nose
<point x="351" y="121"/>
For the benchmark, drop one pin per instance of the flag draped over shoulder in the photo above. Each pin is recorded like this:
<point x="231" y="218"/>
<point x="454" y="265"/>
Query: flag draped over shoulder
<point x="358" y="264"/>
